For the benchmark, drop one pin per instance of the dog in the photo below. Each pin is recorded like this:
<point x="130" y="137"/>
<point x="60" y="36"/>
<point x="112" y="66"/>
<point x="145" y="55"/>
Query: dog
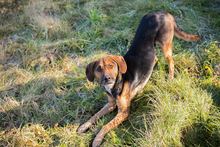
<point x="124" y="77"/>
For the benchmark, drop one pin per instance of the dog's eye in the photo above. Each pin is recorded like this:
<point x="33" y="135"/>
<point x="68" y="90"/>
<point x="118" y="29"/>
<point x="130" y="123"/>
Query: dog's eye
<point x="110" y="66"/>
<point x="99" y="69"/>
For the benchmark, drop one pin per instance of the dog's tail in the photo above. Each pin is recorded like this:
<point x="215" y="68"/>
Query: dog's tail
<point x="183" y="35"/>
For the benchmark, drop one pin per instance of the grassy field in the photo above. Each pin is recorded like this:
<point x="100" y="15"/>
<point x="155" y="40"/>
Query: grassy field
<point x="44" y="93"/>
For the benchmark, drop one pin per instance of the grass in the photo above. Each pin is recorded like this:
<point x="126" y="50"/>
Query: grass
<point x="44" y="94"/>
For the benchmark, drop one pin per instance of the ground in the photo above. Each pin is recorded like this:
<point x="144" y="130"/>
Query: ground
<point x="44" y="93"/>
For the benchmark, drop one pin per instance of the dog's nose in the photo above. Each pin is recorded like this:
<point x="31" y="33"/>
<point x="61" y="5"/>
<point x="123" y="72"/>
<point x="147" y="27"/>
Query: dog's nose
<point x="107" y="77"/>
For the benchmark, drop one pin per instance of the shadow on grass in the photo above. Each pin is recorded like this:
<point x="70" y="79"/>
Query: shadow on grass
<point x="214" y="90"/>
<point x="22" y="103"/>
<point x="201" y="134"/>
<point x="44" y="101"/>
<point x="48" y="102"/>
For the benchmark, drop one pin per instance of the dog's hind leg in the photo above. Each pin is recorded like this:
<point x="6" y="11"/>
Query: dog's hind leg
<point x="167" y="52"/>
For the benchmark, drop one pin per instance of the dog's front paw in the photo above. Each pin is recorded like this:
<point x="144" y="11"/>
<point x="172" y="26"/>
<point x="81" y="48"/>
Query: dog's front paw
<point x="97" y="142"/>
<point x="84" y="127"/>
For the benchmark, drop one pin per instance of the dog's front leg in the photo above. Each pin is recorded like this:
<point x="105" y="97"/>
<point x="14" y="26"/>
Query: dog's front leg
<point x="123" y="104"/>
<point x="106" y="109"/>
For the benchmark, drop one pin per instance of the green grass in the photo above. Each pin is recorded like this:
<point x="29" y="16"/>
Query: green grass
<point x="44" y="93"/>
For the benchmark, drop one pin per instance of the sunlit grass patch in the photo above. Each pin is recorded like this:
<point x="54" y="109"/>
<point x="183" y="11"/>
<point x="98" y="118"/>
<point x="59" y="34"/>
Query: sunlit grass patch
<point x="176" y="105"/>
<point x="37" y="135"/>
<point x="44" y="18"/>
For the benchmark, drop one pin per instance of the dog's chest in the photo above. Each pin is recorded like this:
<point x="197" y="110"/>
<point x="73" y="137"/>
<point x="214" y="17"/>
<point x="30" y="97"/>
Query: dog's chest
<point x="141" y="85"/>
<point x="109" y="87"/>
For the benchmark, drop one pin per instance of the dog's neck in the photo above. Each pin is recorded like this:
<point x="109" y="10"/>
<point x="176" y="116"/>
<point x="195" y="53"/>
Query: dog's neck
<point x="108" y="88"/>
<point x="117" y="88"/>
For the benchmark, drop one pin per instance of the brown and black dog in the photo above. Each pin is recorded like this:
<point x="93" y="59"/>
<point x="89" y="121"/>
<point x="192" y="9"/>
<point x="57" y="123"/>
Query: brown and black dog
<point x="124" y="77"/>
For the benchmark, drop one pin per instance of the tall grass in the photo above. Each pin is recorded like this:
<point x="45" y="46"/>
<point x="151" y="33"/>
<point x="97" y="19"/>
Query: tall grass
<point x="177" y="105"/>
<point x="44" y="94"/>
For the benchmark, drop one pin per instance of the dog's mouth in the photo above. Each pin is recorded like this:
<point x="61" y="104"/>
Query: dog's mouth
<point x="108" y="87"/>
<point x="107" y="81"/>
<point x="110" y="83"/>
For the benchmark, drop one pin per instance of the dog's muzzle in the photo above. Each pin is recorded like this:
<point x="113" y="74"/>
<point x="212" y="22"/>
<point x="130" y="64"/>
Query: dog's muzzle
<point x="106" y="80"/>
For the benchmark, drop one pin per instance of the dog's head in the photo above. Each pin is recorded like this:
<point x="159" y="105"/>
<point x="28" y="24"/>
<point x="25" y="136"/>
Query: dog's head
<point x="106" y="70"/>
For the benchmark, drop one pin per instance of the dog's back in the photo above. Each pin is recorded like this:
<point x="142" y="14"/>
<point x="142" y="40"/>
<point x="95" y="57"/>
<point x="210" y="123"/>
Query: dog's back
<point x="160" y="28"/>
<point x="141" y="55"/>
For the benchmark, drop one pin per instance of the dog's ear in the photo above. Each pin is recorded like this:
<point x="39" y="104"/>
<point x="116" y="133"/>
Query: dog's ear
<point x="89" y="71"/>
<point x="121" y="63"/>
